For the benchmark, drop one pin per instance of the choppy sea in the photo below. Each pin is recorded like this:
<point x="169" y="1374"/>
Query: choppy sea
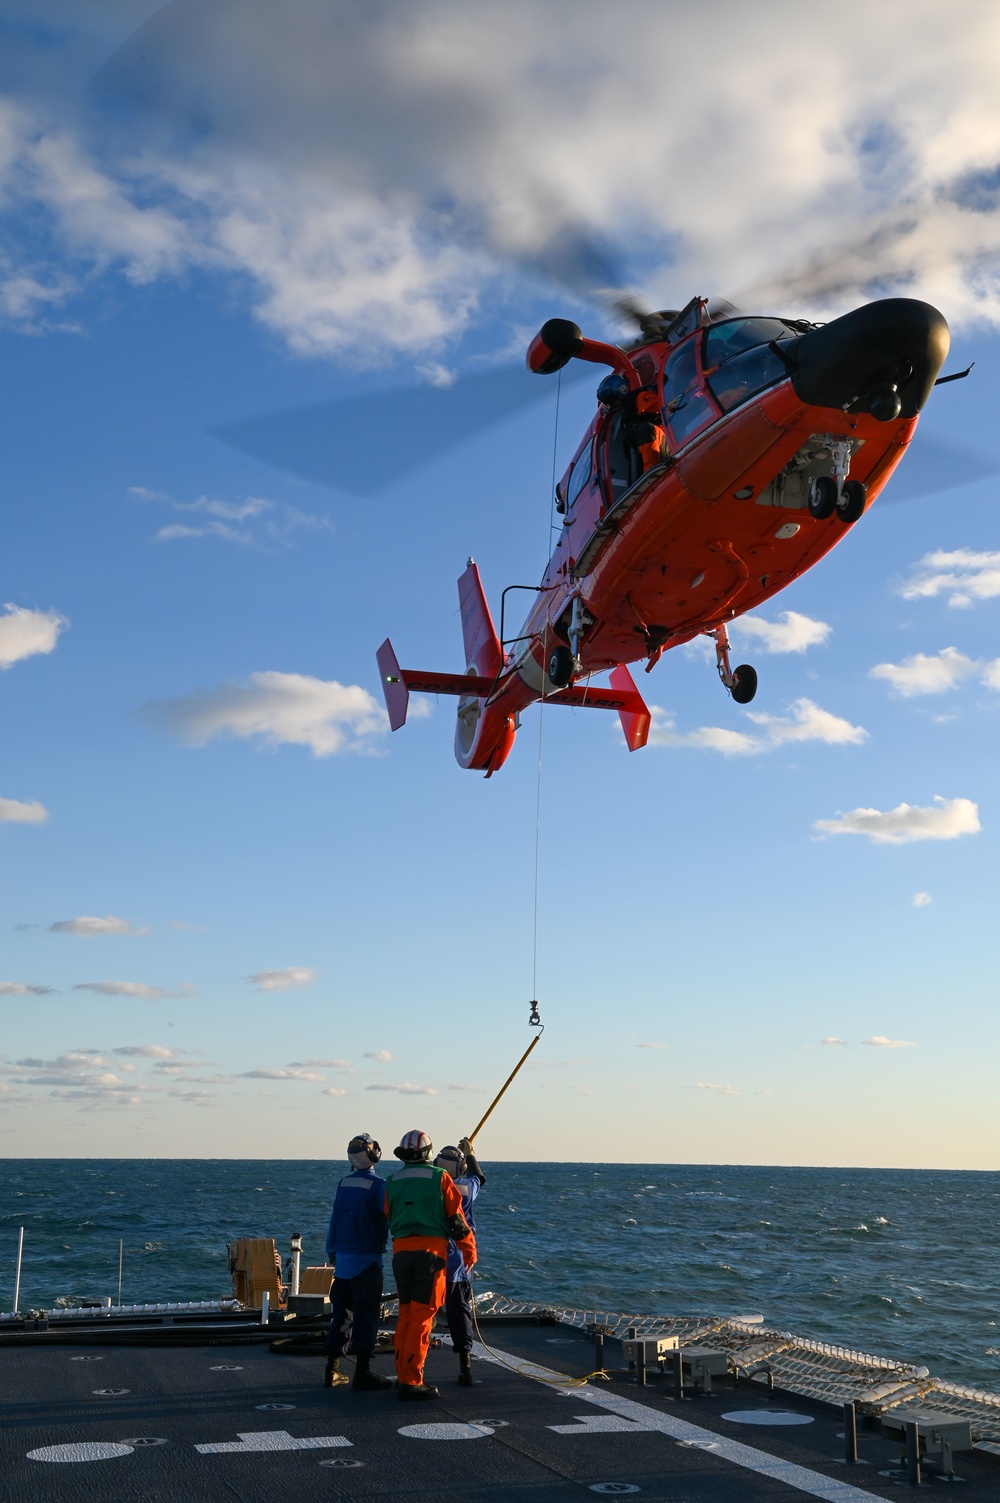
<point x="903" y="1263"/>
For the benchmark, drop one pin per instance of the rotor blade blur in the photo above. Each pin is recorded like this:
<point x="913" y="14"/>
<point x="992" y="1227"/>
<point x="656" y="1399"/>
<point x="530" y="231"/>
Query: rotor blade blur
<point x="345" y="444"/>
<point x="932" y="467"/>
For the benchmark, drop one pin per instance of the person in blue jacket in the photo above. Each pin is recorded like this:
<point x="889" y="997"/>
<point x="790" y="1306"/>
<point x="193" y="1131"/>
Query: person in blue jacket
<point x="355" y="1244"/>
<point x="465" y="1169"/>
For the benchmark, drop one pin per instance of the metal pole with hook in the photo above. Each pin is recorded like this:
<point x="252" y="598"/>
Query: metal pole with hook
<point x="534" y="1022"/>
<point x="17" y="1277"/>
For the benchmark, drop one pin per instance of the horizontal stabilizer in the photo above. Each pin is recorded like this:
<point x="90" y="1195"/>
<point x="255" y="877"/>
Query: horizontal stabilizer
<point x="447" y="683"/>
<point x="623" y="696"/>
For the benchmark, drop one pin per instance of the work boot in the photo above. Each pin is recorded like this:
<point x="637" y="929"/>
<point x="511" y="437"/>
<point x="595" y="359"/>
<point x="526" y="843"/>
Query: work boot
<point x="465" y="1369"/>
<point x="333" y="1377"/>
<point x="410" y="1391"/>
<point x="365" y="1381"/>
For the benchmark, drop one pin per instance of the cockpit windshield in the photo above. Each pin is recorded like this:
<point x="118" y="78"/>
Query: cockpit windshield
<point x="740" y="359"/>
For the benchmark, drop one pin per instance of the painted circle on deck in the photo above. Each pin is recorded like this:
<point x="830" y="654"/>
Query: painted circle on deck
<point x="446" y="1432"/>
<point x="81" y="1450"/>
<point x="767" y="1417"/>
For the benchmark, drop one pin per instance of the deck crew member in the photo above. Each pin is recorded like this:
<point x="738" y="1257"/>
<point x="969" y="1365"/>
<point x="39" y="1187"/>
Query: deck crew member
<point x="355" y="1244"/>
<point x="465" y="1169"/>
<point x="425" y="1214"/>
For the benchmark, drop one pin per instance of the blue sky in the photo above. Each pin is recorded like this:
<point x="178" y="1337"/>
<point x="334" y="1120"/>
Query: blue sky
<point x="236" y="917"/>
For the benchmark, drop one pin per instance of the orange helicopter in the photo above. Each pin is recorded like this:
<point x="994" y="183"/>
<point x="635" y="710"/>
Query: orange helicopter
<point x="726" y="457"/>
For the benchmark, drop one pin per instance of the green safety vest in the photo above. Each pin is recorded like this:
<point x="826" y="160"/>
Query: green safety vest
<point x="416" y="1202"/>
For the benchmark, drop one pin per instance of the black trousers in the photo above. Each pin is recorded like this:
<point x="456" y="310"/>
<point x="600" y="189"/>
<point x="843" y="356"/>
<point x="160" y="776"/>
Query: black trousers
<point x="458" y="1309"/>
<point x="355" y="1307"/>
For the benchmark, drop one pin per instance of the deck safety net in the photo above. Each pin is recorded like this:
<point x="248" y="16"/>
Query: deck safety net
<point x="815" y="1370"/>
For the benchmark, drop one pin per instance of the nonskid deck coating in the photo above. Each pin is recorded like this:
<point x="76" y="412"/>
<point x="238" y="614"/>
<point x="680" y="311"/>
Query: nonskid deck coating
<point x="547" y="1442"/>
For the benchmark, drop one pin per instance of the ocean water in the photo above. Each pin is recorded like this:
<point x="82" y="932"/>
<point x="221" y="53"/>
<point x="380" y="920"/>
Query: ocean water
<point x="903" y="1263"/>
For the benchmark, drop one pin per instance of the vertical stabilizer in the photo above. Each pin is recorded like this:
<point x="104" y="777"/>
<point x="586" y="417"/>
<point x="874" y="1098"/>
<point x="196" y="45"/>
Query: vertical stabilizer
<point x="483" y="653"/>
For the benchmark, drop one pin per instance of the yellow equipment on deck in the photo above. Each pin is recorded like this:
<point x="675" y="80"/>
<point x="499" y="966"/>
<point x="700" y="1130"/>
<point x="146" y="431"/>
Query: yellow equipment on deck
<point x="256" y="1269"/>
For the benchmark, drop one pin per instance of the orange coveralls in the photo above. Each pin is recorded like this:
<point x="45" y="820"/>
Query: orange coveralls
<point x="419" y="1259"/>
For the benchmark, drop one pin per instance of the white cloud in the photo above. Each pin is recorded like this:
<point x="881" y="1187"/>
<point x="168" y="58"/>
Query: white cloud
<point x="282" y="981"/>
<point x="14" y="813"/>
<point x="925" y="674"/>
<point x="24" y="633"/>
<point x="403" y="1088"/>
<point x="336" y="163"/>
<point x="130" y="989"/>
<point x="279" y="709"/>
<point x="946" y="820"/>
<point x="461" y="1086"/>
<point x="24" y="989"/>
<point x="307" y="1075"/>
<point x="879" y="1041"/>
<point x="962" y="574"/>
<point x="382" y="1055"/>
<point x="343" y="1065"/>
<point x="834" y="1043"/>
<point x="148" y="1051"/>
<point x="254" y="520"/>
<point x="88" y="926"/>
<point x="651" y="1045"/>
<point x="792" y="632"/>
<point x="720" y="1090"/>
<point x="806" y="721"/>
<point x="921" y="899"/>
<point x="332" y="1090"/>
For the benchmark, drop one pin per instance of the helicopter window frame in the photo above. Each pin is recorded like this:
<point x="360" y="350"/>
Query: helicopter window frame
<point x="581" y="472"/>
<point x="771" y="368"/>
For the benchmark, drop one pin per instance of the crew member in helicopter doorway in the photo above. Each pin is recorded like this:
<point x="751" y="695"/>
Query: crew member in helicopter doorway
<point x="355" y="1245"/>
<point x="467" y="1172"/>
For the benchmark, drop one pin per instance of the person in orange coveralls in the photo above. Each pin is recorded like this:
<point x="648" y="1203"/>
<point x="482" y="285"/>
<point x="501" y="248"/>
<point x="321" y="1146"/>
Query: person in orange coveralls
<point x="425" y="1214"/>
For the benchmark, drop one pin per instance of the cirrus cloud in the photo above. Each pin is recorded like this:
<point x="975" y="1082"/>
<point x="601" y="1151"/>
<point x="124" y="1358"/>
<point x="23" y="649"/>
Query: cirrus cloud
<point x="946" y="819"/>
<point x="131" y="989"/>
<point x="403" y="1088"/>
<point x="24" y="989"/>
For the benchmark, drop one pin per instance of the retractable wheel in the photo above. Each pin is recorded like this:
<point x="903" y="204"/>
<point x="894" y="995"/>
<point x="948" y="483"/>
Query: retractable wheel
<point x="560" y="667"/>
<point x="744" y="684"/>
<point x="823" y="497"/>
<point x="851" y="504"/>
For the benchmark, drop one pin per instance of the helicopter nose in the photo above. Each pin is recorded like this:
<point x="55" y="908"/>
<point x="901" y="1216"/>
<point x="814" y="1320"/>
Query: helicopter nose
<point x="882" y="358"/>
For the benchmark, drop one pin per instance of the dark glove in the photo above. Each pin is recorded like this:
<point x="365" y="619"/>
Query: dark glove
<point x="458" y="1227"/>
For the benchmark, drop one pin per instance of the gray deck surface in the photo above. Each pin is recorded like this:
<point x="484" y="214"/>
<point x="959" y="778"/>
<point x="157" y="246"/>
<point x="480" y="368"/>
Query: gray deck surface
<point x="637" y="1439"/>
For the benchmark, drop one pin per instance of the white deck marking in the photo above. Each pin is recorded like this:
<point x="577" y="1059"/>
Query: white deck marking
<point x="446" y="1432"/>
<point x="81" y="1450"/>
<point x="598" y="1424"/>
<point x="767" y="1417"/>
<point x="798" y="1477"/>
<point x="270" y="1440"/>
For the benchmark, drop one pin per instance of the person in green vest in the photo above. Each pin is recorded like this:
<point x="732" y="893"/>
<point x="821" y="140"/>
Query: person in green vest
<point x="424" y="1208"/>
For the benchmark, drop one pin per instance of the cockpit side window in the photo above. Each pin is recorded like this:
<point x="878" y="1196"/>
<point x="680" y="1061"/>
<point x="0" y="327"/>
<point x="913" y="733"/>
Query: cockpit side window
<point x="579" y="475"/>
<point x="686" y="407"/>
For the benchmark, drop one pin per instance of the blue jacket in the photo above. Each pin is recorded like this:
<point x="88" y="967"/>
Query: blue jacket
<point x="468" y="1186"/>
<point x="359" y="1227"/>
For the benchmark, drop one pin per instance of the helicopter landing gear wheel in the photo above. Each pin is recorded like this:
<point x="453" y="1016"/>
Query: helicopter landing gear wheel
<point x="744" y="685"/>
<point x="823" y="497"/>
<point x="851" y="504"/>
<point x="560" y="667"/>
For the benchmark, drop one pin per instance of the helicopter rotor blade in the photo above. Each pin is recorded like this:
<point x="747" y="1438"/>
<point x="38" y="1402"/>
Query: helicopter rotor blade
<point x="342" y="445"/>
<point x="932" y="466"/>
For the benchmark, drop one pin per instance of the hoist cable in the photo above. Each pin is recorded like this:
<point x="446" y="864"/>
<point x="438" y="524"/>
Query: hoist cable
<point x="541" y="708"/>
